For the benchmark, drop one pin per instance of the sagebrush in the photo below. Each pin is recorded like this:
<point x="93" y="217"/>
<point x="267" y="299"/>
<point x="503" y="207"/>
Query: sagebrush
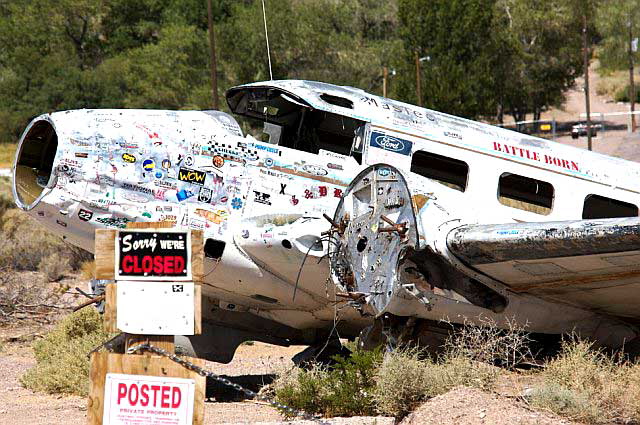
<point x="586" y="384"/>
<point x="62" y="366"/>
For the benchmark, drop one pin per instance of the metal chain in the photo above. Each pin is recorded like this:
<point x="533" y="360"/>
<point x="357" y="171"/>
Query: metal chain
<point x="206" y="373"/>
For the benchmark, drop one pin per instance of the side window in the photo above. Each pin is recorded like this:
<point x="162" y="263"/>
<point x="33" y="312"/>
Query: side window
<point x="525" y="193"/>
<point x="447" y="171"/>
<point x="596" y="206"/>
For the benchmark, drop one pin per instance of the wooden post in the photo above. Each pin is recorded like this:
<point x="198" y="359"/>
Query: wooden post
<point x="418" y="88"/>
<point x="585" y="45"/>
<point x="147" y="365"/>
<point x="385" y="76"/>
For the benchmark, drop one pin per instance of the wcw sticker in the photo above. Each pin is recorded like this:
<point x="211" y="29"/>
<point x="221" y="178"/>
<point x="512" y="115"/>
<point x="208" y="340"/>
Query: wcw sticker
<point x="192" y="176"/>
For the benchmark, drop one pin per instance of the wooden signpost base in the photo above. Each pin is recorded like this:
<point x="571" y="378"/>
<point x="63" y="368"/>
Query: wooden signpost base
<point x="148" y="365"/>
<point x="142" y="363"/>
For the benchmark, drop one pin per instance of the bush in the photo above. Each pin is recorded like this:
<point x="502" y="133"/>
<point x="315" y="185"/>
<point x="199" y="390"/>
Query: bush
<point x="588" y="385"/>
<point x="485" y="342"/>
<point x="54" y="267"/>
<point x="26" y="243"/>
<point x="62" y="366"/>
<point x="344" y="390"/>
<point x="622" y="94"/>
<point x="368" y="383"/>
<point x="33" y="300"/>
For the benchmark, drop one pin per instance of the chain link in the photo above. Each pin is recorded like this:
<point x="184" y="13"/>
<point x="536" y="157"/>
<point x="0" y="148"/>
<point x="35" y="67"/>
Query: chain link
<point x="206" y="373"/>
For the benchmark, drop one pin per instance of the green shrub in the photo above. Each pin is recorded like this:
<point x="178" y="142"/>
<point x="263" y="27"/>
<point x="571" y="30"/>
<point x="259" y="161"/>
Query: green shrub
<point x="367" y="383"/>
<point x="344" y="390"/>
<point x="622" y="94"/>
<point x="62" y="366"/>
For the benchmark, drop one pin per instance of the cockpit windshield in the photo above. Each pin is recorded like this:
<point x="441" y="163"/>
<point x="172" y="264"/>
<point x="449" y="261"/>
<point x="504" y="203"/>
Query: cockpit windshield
<point x="291" y="122"/>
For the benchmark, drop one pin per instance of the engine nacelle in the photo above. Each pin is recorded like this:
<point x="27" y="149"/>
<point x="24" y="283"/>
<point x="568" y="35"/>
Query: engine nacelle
<point x="108" y="167"/>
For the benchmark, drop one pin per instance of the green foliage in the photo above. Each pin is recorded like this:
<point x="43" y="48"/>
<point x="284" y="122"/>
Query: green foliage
<point x="344" y="390"/>
<point x="585" y="384"/>
<point x="457" y="37"/>
<point x="618" y="24"/>
<point x="62" y="365"/>
<point x="622" y="94"/>
<point x="369" y="384"/>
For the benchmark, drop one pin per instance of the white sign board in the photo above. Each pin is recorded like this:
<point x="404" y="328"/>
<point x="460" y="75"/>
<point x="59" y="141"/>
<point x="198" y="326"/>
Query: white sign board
<point x="148" y="400"/>
<point x="155" y="308"/>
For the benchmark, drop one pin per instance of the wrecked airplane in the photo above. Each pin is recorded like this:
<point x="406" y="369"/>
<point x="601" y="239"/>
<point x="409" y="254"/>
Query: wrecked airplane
<point x="353" y="213"/>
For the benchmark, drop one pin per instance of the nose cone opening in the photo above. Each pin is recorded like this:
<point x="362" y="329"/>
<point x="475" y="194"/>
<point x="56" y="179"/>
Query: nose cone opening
<point x="33" y="168"/>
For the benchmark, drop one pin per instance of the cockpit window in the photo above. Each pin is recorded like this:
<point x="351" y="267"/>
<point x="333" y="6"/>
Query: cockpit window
<point x="291" y="122"/>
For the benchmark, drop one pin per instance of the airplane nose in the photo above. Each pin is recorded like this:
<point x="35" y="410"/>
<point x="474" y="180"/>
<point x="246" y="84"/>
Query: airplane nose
<point x="33" y="166"/>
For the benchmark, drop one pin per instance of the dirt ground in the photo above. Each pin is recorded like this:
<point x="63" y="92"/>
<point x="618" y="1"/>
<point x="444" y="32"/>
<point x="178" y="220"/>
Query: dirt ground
<point x="19" y="406"/>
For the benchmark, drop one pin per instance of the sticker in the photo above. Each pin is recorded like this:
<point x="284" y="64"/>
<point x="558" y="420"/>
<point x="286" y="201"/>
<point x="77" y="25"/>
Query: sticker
<point x="315" y="170"/>
<point x="127" y="157"/>
<point x="205" y="195"/>
<point x="384" y="172"/>
<point x="149" y="164"/>
<point x="82" y="155"/>
<point x="166" y="164"/>
<point x="184" y="194"/>
<point x="218" y="161"/>
<point x="262" y="198"/>
<point x="85" y="215"/>
<point x="391" y="144"/>
<point x="192" y="176"/>
<point x="159" y="174"/>
<point x="236" y="204"/>
<point x="268" y="162"/>
<point x="188" y="161"/>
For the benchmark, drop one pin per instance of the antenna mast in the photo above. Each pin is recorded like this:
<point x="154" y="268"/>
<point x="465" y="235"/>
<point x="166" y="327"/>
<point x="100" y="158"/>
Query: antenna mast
<point x="266" y="36"/>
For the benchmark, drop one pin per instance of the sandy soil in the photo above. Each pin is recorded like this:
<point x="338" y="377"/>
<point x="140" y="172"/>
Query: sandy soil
<point x="475" y="407"/>
<point x="19" y="406"/>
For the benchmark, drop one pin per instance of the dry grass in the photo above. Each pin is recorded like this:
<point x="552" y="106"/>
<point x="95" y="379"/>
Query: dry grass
<point x="88" y="270"/>
<point x="26" y="244"/>
<point x="62" y="364"/>
<point x="611" y="83"/>
<point x="587" y="385"/>
<point x="33" y="302"/>
<point x="54" y="267"/>
<point x="394" y="384"/>
<point x="7" y="152"/>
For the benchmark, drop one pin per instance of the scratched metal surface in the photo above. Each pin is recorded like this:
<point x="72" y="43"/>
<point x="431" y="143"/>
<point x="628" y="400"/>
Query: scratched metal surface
<point x="482" y="244"/>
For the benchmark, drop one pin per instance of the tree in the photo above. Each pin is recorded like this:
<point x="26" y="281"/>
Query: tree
<point x="544" y="40"/>
<point x="618" y="24"/>
<point x="346" y="42"/>
<point x="458" y="37"/>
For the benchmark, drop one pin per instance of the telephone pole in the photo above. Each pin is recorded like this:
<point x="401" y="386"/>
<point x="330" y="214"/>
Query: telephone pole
<point x="213" y="63"/>
<point x="418" y="88"/>
<point x="385" y="76"/>
<point x="632" y="88"/>
<point x="585" y="46"/>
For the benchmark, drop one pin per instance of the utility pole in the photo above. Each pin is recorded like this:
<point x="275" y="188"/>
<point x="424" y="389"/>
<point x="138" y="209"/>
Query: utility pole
<point x="418" y="88"/>
<point x="213" y="63"/>
<point x="585" y="47"/>
<point x="632" y="88"/>
<point x="385" y="76"/>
